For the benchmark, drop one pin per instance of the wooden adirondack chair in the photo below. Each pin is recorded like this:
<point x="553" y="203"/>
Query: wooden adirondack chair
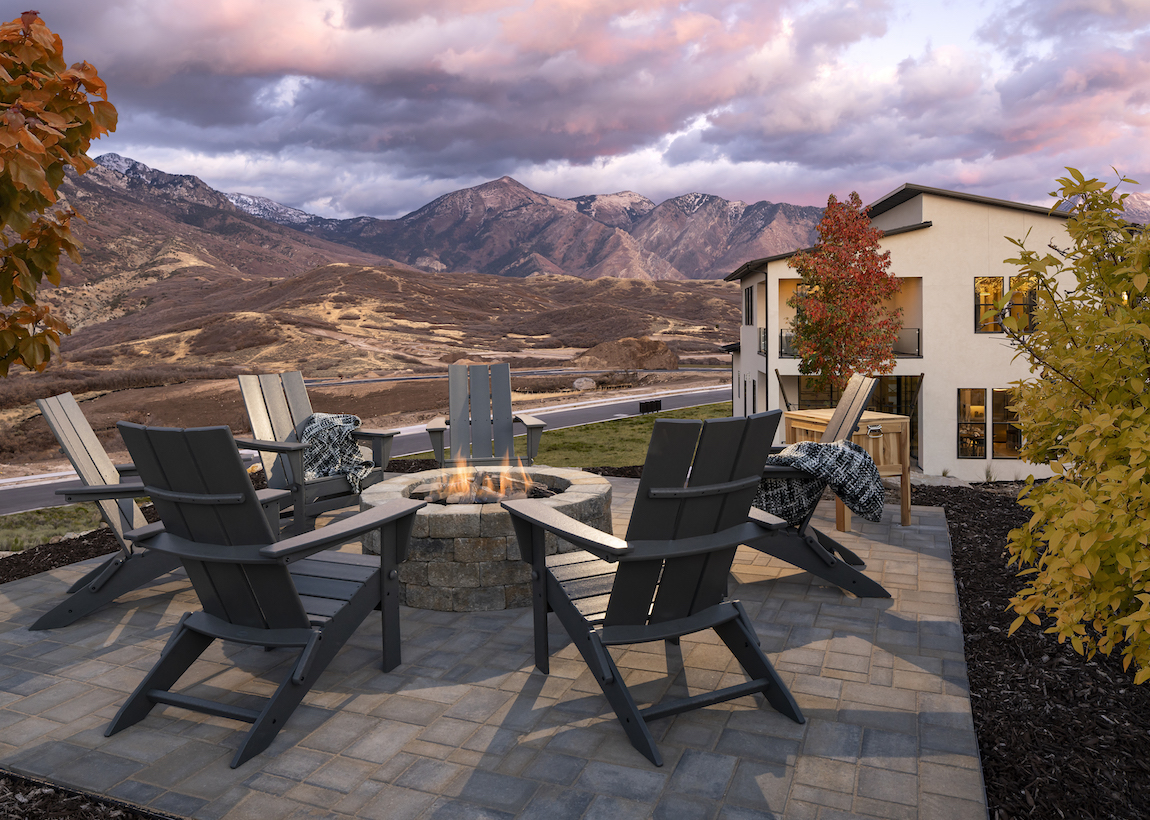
<point x="805" y="546"/>
<point x="278" y="409"/>
<point x="668" y="578"/>
<point x="482" y="423"/>
<point x="127" y="569"/>
<point x="255" y="590"/>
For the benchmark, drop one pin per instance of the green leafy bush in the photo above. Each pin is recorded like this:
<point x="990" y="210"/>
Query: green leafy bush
<point x="1086" y="549"/>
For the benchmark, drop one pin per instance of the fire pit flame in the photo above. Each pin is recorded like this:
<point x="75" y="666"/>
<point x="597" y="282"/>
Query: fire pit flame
<point x="467" y="485"/>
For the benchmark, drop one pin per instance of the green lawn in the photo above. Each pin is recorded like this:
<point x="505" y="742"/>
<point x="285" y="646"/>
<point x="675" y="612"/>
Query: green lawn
<point x="30" y="529"/>
<point x="617" y="443"/>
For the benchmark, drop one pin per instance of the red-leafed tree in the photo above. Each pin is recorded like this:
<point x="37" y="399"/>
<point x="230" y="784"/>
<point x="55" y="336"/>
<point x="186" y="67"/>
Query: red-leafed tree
<point x="844" y="323"/>
<point x="47" y="122"/>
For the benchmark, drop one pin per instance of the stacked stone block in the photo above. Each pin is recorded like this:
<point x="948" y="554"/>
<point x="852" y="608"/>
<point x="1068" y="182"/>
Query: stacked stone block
<point x="465" y="558"/>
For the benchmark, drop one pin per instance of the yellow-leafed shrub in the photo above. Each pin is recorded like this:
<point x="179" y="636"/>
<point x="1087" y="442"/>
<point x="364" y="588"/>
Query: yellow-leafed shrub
<point x="1086" y="551"/>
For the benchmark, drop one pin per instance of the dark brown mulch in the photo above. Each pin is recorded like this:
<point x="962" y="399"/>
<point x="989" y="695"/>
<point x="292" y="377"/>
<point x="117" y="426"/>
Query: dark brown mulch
<point x="411" y="465"/>
<point x="616" y="472"/>
<point x="22" y="798"/>
<point x="1059" y="736"/>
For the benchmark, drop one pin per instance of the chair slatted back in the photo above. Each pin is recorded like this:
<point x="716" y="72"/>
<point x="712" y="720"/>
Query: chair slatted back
<point x="481" y="417"/>
<point x="720" y="461"/>
<point x="90" y="461"/>
<point x="278" y="408"/>
<point x="845" y="420"/>
<point x="202" y="493"/>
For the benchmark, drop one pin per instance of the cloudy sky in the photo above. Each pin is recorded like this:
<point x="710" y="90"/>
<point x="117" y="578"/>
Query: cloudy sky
<point x="348" y="107"/>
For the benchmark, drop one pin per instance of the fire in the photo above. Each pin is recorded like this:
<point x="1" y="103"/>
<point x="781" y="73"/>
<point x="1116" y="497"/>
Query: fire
<point x="460" y="481"/>
<point x="466" y="485"/>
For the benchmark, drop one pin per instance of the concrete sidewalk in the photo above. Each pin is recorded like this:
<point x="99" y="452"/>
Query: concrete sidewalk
<point x="465" y="728"/>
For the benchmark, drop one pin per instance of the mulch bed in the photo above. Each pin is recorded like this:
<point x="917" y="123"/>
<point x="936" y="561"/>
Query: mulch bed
<point x="1059" y="736"/>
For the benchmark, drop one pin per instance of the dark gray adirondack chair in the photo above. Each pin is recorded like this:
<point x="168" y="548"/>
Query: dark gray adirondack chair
<point x="127" y="569"/>
<point x="278" y="409"/>
<point x="482" y="423"/>
<point x="668" y="578"/>
<point x="255" y="590"/>
<point x="805" y="546"/>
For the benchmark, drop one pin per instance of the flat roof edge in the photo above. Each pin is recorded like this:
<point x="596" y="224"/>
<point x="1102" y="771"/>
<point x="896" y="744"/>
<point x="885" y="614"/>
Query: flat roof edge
<point x="749" y="267"/>
<point x="908" y="191"/>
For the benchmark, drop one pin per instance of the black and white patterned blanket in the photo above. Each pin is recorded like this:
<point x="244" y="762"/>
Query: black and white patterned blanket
<point x="846" y="467"/>
<point x="331" y="449"/>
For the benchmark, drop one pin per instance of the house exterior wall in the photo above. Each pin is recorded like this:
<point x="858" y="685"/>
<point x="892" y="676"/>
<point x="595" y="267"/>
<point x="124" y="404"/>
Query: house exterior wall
<point x="964" y="239"/>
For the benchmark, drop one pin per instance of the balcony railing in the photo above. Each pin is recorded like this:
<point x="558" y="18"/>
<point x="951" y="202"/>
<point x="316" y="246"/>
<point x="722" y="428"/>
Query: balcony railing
<point x="907" y="346"/>
<point x="785" y="349"/>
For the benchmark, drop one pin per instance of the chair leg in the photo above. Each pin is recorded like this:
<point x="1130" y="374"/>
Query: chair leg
<point x="182" y="650"/>
<point x="602" y="666"/>
<point x="281" y="705"/>
<point x="115" y="560"/>
<point x="833" y="546"/>
<point x="133" y="572"/>
<point x="389" y="598"/>
<point x="740" y="638"/>
<point x="790" y="547"/>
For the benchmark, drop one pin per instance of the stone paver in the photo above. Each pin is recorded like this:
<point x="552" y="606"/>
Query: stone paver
<point x="467" y="728"/>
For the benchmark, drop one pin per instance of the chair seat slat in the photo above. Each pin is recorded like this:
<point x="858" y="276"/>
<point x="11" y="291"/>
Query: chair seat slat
<point x="322" y="607"/>
<point x="310" y="586"/>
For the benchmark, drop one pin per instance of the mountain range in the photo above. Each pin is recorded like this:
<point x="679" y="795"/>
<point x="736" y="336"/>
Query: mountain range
<point x="504" y="228"/>
<point x="177" y="274"/>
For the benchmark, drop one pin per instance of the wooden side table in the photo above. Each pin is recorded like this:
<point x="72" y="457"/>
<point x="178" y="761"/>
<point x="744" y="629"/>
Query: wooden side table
<point x="886" y="437"/>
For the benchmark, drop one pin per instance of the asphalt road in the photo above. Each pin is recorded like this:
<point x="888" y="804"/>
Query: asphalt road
<point x="411" y="440"/>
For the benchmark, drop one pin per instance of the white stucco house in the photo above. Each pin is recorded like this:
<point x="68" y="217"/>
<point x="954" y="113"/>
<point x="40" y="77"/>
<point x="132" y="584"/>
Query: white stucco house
<point x="947" y="248"/>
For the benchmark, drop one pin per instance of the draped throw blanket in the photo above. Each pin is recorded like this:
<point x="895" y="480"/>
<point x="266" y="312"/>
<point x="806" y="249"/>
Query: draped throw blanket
<point x="331" y="449"/>
<point x="846" y="467"/>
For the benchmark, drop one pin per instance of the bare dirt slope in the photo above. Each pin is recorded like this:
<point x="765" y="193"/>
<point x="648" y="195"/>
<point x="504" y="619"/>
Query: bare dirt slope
<point x="343" y="319"/>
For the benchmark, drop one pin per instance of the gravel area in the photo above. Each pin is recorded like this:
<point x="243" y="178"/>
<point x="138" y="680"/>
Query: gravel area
<point x="1059" y="736"/>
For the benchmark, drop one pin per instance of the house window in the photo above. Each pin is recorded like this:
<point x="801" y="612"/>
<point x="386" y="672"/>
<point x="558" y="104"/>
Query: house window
<point x="1006" y="436"/>
<point x="971" y="422"/>
<point x="748" y="306"/>
<point x="1023" y="302"/>
<point x="987" y="290"/>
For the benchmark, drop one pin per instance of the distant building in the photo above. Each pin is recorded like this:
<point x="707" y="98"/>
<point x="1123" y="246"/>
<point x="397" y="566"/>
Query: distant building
<point x="951" y="371"/>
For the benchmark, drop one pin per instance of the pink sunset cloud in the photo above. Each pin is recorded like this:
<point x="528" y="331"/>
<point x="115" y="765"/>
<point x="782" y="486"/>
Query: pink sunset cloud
<point x="374" y="106"/>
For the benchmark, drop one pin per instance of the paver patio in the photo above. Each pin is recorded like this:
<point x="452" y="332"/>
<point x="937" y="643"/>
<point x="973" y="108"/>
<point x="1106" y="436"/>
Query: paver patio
<point x="465" y="728"/>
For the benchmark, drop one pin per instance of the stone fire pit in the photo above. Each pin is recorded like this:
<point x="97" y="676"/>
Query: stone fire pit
<point x="464" y="557"/>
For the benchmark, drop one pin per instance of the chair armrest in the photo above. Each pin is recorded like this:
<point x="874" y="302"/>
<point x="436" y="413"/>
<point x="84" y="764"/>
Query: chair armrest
<point x="697" y="545"/>
<point x="126" y="469"/>
<point x="292" y="452"/>
<point x="529" y="421"/>
<point x="380" y="441"/>
<point x="105" y="492"/>
<point x="541" y="514"/>
<point x="534" y="434"/>
<point x="271" y="446"/>
<point x="340" y="532"/>
<point x="767" y="520"/>
<point x="146" y="531"/>
<point x="435" y="430"/>
<point x="370" y="433"/>
<point x="271" y="496"/>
